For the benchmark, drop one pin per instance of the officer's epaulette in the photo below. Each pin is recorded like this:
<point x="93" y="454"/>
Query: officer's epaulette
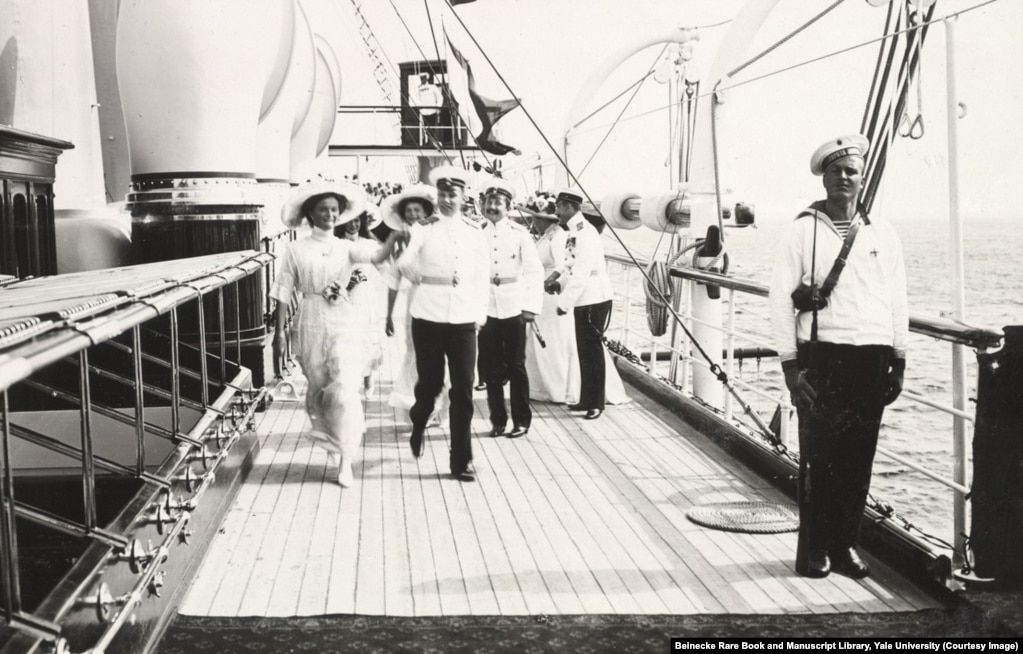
<point x="429" y="221"/>
<point x="471" y="223"/>
<point x="515" y="225"/>
<point x="580" y="225"/>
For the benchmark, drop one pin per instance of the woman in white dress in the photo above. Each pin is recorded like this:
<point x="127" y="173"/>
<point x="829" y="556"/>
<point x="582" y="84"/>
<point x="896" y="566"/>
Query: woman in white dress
<point x="326" y="336"/>
<point x="399" y="212"/>
<point x="367" y="297"/>
<point x="554" y="370"/>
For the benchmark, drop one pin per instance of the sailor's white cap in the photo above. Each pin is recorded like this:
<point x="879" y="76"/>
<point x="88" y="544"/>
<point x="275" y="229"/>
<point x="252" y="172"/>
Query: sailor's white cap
<point x="499" y="186"/>
<point x="452" y="175"/>
<point x="353" y="196"/>
<point x="569" y="194"/>
<point x="835" y="149"/>
<point x="392" y="208"/>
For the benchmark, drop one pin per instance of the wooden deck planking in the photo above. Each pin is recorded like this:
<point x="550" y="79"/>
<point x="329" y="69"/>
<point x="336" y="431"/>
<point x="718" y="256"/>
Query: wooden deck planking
<point x="258" y="523"/>
<point x="595" y="581"/>
<point x="579" y="517"/>
<point x="723" y="543"/>
<point x="705" y="582"/>
<point x="866" y="594"/>
<point x="270" y="561"/>
<point x="424" y="589"/>
<point x="750" y="573"/>
<point x="524" y="567"/>
<point x="557" y="579"/>
<point x="563" y="465"/>
<point x="211" y="574"/>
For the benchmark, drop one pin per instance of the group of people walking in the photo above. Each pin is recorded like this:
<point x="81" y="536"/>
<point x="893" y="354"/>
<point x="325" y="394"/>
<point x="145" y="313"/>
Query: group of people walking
<point x="483" y="292"/>
<point x="476" y="292"/>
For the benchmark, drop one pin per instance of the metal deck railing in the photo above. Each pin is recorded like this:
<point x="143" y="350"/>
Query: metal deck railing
<point x="671" y="357"/>
<point x="132" y="373"/>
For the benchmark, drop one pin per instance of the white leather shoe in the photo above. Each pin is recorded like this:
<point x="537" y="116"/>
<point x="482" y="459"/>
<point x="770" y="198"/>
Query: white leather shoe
<point x="344" y="475"/>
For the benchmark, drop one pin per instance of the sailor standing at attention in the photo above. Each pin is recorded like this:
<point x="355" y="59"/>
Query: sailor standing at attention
<point x="840" y="318"/>
<point x="516" y="297"/>
<point x="585" y="289"/>
<point x="447" y="258"/>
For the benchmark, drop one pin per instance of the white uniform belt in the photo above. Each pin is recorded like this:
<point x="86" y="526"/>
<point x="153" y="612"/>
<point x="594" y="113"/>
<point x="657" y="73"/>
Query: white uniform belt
<point x="497" y="281"/>
<point x="451" y="280"/>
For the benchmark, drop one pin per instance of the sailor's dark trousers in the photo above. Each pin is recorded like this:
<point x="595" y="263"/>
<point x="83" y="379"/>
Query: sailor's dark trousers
<point x="590" y="324"/>
<point x="503" y="356"/>
<point x="838" y="438"/>
<point x="434" y="342"/>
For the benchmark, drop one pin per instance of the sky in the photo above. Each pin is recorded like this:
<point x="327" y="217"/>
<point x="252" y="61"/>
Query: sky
<point x="768" y="124"/>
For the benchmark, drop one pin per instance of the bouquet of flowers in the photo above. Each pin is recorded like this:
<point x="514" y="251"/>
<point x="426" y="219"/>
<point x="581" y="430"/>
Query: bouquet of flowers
<point x="334" y="293"/>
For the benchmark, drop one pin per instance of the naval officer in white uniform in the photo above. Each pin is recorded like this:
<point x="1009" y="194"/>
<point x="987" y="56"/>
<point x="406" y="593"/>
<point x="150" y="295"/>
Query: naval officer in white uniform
<point x="447" y="258"/>
<point x="516" y="297"/>
<point x="586" y="290"/>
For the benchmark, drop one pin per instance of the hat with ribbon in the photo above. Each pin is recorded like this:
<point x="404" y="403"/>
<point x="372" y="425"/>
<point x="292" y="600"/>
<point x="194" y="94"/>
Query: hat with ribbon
<point x="392" y="208"/>
<point x="837" y="148"/>
<point x="349" y="195"/>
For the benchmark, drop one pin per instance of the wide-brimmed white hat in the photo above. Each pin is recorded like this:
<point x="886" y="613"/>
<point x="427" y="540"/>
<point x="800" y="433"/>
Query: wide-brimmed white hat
<point x="392" y="208"/>
<point x="373" y="218"/>
<point x="355" y="201"/>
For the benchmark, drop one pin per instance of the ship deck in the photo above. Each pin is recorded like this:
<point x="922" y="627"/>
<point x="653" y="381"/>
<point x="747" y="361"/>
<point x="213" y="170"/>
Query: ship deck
<point x="579" y="517"/>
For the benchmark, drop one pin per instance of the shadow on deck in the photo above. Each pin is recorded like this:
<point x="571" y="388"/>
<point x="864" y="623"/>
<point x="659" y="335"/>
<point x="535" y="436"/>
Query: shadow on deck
<point x="579" y="528"/>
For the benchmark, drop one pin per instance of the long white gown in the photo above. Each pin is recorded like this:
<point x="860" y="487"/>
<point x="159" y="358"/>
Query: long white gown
<point x="328" y="336"/>
<point x="554" y="370"/>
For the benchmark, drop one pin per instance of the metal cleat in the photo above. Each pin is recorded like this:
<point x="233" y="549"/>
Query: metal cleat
<point x="185" y="536"/>
<point x="156" y="583"/>
<point x="137" y="557"/>
<point x="188" y="478"/>
<point x="216" y="434"/>
<point x="203" y="456"/>
<point x="171" y="503"/>
<point x="159" y="517"/>
<point x="286" y="391"/>
<point x="104" y="602"/>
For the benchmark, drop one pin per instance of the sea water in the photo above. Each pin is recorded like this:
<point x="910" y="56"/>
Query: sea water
<point x="992" y="284"/>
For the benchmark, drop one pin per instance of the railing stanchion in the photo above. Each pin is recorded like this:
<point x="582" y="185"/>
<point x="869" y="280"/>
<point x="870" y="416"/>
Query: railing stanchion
<point x="730" y="351"/>
<point x="175" y="371"/>
<point x="8" y="529"/>
<point x="203" y="371"/>
<point x="223" y="335"/>
<point x="140" y="401"/>
<point x="88" y="465"/>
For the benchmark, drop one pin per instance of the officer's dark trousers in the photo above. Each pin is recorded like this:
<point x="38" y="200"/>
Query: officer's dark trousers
<point x="503" y="356"/>
<point x="838" y="438"/>
<point x="434" y="342"/>
<point x="590" y="323"/>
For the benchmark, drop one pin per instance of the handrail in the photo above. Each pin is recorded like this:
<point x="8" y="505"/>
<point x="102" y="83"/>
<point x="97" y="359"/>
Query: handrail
<point x="942" y="329"/>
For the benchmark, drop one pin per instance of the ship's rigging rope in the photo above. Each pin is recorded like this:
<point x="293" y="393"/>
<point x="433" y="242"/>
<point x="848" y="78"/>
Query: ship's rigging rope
<point x="382" y="74"/>
<point x="736" y="84"/>
<point x="909" y="64"/>
<point x="632" y="97"/>
<point x="714" y="367"/>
